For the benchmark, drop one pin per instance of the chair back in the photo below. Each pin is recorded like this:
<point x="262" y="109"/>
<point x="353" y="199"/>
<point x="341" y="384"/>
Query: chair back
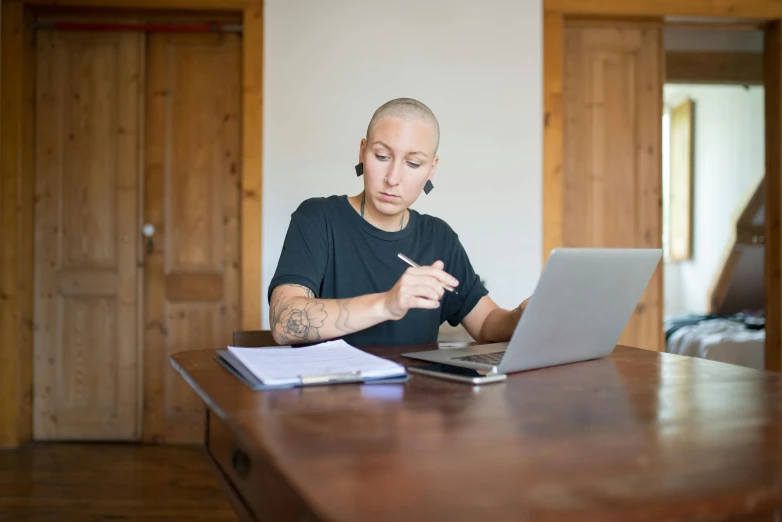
<point x="253" y="338"/>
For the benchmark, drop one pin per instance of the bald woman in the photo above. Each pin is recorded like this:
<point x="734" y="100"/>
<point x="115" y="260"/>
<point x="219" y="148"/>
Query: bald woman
<point x="339" y="274"/>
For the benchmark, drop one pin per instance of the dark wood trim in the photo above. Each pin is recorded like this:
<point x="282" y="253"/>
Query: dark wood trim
<point x="727" y="68"/>
<point x="17" y="158"/>
<point x="773" y="238"/>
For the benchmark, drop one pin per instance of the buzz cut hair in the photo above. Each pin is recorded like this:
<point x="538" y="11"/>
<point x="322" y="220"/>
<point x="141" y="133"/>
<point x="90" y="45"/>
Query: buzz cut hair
<point x="406" y="109"/>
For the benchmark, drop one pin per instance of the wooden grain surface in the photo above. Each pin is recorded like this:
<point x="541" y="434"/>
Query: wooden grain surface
<point x="77" y="482"/>
<point x="639" y="435"/>
<point x="86" y="225"/>
<point x="611" y="179"/>
<point x="772" y="87"/>
<point x="192" y="197"/>
<point x="17" y="163"/>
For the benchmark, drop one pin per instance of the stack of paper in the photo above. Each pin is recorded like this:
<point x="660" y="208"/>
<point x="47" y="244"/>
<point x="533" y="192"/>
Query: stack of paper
<point x="328" y="362"/>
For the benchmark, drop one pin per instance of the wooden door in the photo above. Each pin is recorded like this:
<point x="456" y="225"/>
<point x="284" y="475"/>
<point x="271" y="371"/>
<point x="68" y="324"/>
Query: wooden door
<point x="191" y="197"/>
<point x="772" y="79"/>
<point x="86" y="226"/>
<point x="612" y="175"/>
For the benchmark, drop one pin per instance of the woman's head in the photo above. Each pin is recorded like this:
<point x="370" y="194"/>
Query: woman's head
<point x="399" y="154"/>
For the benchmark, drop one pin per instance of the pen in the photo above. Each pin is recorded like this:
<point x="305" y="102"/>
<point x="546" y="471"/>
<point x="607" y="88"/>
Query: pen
<point x="416" y="265"/>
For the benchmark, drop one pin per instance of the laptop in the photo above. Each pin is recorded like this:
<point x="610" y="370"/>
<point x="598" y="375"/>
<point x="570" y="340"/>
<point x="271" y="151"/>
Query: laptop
<point x="577" y="312"/>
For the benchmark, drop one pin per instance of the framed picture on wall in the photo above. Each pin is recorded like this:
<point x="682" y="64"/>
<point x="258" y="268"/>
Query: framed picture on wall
<point x="680" y="181"/>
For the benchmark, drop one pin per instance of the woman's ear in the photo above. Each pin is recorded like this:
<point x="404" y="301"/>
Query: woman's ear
<point x="433" y="170"/>
<point x="428" y="186"/>
<point x="362" y="148"/>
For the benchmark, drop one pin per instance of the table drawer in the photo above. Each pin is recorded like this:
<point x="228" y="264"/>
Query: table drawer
<point x="264" y="492"/>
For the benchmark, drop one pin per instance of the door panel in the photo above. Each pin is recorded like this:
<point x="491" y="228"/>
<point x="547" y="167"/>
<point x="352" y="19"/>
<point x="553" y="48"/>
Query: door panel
<point x="612" y="172"/>
<point x="86" y="211"/>
<point x="192" y="195"/>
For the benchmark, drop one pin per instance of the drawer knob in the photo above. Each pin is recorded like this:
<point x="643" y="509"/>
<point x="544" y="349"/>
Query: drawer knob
<point x="240" y="462"/>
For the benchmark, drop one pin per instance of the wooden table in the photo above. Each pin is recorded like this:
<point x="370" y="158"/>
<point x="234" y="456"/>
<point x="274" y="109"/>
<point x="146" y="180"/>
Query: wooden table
<point x="636" y="436"/>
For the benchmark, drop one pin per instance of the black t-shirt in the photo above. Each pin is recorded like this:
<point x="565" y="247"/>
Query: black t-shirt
<point x="330" y="249"/>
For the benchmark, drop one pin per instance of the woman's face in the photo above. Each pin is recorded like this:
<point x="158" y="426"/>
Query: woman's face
<point x="398" y="158"/>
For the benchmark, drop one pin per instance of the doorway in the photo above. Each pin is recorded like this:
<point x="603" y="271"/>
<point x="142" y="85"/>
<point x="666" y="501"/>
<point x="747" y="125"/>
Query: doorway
<point x="20" y="26"/>
<point x="713" y="183"/>
<point x="137" y="222"/>
<point x="614" y="196"/>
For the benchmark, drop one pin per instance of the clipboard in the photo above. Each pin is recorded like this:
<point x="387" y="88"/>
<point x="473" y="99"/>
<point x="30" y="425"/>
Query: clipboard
<point x="227" y="360"/>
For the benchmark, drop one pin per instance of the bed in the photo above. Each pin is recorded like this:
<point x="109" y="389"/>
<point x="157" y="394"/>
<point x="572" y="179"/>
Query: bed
<point x="734" y="339"/>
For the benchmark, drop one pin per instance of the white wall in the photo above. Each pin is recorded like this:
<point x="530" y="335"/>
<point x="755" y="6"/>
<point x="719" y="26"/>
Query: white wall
<point x="729" y="162"/>
<point x="478" y="65"/>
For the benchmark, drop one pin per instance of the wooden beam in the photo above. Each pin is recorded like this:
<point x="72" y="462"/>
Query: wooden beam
<point x="710" y="24"/>
<point x="553" y="128"/>
<point x="773" y="185"/>
<point x="727" y="68"/>
<point x="765" y="9"/>
<point x="16" y="224"/>
<point x="187" y="5"/>
<point x="252" y="161"/>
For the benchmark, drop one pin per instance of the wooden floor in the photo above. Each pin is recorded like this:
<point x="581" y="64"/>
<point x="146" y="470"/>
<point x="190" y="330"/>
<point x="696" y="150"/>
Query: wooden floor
<point x="101" y="482"/>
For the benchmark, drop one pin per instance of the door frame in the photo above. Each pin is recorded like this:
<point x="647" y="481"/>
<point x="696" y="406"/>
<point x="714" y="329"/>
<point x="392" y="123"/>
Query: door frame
<point x="17" y="181"/>
<point x="767" y="13"/>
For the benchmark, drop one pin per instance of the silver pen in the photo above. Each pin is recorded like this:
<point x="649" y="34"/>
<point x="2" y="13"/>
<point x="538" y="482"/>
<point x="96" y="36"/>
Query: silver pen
<point x="416" y="265"/>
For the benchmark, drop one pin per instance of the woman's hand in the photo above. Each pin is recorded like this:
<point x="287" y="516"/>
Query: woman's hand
<point x="420" y="287"/>
<point x="518" y="311"/>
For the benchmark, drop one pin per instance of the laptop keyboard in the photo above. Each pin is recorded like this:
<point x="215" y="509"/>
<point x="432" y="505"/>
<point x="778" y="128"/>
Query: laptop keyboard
<point x="484" y="358"/>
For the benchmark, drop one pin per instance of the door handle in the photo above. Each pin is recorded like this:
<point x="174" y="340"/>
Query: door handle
<point x="148" y="231"/>
<point x="240" y="462"/>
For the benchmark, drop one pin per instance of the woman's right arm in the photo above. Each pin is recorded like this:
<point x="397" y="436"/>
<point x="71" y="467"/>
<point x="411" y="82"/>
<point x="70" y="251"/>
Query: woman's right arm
<point x="296" y="316"/>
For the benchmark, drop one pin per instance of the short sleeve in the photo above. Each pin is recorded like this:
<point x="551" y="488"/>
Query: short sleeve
<point x="304" y="252"/>
<point x="457" y="306"/>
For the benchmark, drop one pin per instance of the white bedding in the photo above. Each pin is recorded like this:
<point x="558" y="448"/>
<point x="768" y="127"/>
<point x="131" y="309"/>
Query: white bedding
<point x="720" y="340"/>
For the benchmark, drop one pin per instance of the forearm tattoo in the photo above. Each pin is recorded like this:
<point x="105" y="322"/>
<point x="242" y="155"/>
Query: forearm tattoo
<point x="344" y="316"/>
<point x="292" y="323"/>
<point x="295" y="323"/>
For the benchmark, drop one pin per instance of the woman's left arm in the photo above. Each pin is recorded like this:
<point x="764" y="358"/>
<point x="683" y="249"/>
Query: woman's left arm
<point x="487" y="322"/>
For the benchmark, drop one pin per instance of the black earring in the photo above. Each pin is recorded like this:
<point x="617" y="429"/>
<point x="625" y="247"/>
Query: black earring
<point x="359" y="169"/>
<point x="428" y="187"/>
